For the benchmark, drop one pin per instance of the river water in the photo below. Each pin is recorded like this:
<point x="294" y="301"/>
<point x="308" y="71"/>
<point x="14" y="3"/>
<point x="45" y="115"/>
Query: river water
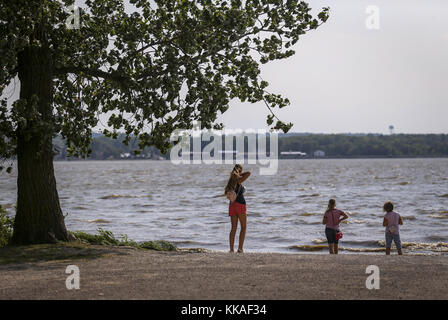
<point x="155" y="200"/>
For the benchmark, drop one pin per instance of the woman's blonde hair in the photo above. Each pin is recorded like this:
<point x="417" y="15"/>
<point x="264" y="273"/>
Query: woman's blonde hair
<point x="234" y="179"/>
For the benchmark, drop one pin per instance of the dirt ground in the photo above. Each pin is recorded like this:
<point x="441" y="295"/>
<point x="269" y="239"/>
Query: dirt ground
<point x="128" y="273"/>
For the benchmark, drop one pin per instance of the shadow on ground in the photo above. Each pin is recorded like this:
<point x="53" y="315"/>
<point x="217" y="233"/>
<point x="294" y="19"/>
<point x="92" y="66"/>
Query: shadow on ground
<point x="57" y="252"/>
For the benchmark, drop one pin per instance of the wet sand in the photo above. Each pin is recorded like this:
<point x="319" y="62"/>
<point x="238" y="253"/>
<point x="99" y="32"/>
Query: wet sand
<point x="128" y="273"/>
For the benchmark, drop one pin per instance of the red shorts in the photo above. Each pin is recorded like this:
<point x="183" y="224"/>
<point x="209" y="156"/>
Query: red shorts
<point x="236" y="208"/>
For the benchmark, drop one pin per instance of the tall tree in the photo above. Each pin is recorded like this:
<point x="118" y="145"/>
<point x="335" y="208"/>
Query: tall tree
<point x="149" y="66"/>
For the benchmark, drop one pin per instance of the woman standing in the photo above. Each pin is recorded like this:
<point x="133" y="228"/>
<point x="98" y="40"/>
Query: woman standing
<point x="331" y="221"/>
<point x="237" y="206"/>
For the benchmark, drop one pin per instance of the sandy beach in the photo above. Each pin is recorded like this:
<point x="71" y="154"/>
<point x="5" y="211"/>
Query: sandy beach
<point x="129" y="273"/>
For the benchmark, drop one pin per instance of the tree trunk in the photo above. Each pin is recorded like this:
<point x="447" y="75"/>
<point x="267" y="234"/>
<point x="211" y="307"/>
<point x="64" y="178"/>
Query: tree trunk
<point x="39" y="217"/>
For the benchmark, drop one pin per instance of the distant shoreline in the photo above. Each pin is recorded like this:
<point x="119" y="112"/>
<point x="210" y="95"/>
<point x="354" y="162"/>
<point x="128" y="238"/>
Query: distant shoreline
<point x="328" y="146"/>
<point x="303" y="158"/>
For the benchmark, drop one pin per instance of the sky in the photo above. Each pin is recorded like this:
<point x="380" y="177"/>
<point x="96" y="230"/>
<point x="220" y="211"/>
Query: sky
<point x="347" y="78"/>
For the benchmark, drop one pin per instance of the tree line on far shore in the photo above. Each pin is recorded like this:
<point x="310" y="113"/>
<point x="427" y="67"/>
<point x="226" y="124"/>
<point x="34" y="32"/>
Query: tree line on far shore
<point x="369" y="145"/>
<point x="332" y="145"/>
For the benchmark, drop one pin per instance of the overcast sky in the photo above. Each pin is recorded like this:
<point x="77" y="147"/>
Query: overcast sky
<point x="345" y="77"/>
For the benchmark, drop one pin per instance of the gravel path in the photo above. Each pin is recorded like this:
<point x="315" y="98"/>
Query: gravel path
<point x="135" y="274"/>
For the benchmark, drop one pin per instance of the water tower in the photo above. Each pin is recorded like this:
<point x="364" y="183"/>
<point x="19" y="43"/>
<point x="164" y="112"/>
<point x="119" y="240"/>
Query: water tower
<point x="391" y="129"/>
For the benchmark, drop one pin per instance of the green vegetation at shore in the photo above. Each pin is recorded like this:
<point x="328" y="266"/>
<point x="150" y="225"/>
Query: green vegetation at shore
<point x="105" y="237"/>
<point x="6" y="228"/>
<point x="83" y="245"/>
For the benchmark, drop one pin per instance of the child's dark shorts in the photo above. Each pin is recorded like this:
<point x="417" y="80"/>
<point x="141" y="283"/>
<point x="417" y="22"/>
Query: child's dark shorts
<point x="331" y="235"/>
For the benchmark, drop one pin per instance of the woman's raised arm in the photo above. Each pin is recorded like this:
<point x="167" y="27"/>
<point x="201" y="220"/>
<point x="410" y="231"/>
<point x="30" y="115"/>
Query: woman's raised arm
<point x="244" y="176"/>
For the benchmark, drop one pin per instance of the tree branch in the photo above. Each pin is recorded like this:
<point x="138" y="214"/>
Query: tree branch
<point x="112" y="76"/>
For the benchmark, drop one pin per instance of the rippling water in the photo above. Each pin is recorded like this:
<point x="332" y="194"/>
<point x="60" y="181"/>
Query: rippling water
<point x="153" y="200"/>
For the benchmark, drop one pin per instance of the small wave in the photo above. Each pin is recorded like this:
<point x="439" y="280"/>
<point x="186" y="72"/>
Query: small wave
<point x="138" y="205"/>
<point x="186" y="242"/>
<point x="98" y="221"/>
<point x="309" y="195"/>
<point x="116" y="196"/>
<point x="439" y="247"/>
<point x="308" y="247"/>
<point x="287" y="215"/>
<point x="438" y="216"/>
<point x="422" y="246"/>
<point x="79" y="208"/>
<point x="300" y="223"/>
<point x="353" y="221"/>
<point x="366" y="243"/>
<point x="386" y="178"/>
<point x="274" y="202"/>
<point x="277" y="239"/>
<point x="435" y="246"/>
<point x="176" y="184"/>
<point x="362" y="249"/>
<point x="307" y="214"/>
<point x="255" y="214"/>
<point x="412" y="218"/>
<point x="404" y="183"/>
<point x="325" y="247"/>
<point x="319" y="241"/>
<point x="356" y="221"/>
<point x="117" y="171"/>
<point x="436" y="238"/>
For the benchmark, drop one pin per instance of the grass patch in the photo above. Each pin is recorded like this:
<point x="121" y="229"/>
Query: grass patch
<point x="107" y="238"/>
<point x="160" y="245"/>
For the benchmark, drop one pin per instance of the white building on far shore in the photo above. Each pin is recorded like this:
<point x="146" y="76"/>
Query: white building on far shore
<point x="319" y="153"/>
